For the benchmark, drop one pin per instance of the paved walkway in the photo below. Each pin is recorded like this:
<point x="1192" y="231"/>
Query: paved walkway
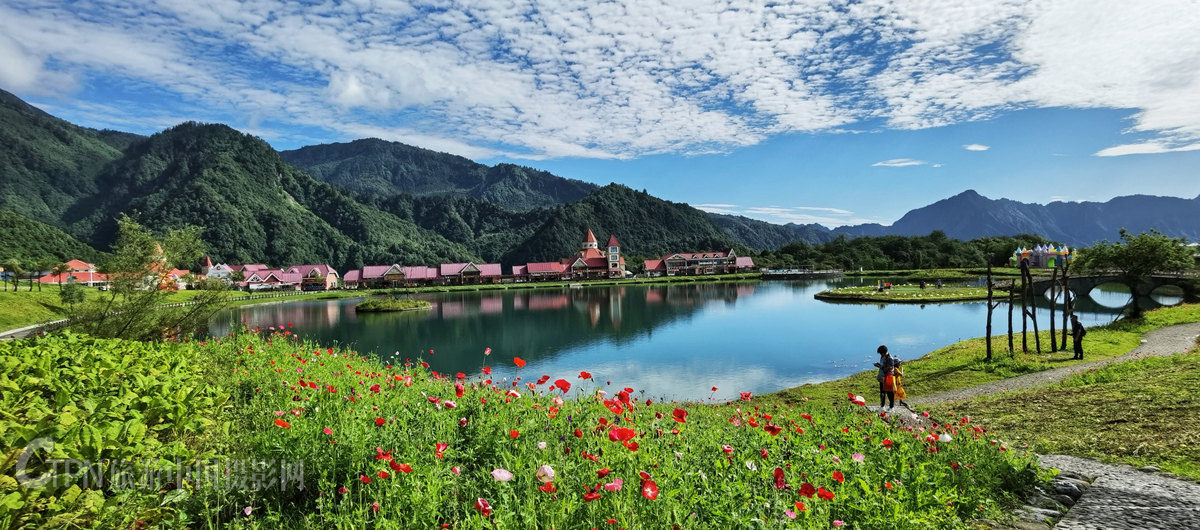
<point x="1122" y="498"/>
<point x="1160" y="342"/>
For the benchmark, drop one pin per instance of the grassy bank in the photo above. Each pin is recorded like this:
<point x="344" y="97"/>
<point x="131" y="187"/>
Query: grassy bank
<point x="946" y="274"/>
<point x="383" y="305"/>
<point x="905" y="294"/>
<point x="398" y="446"/>
<point x="1136" y="412"/>
<point x="962" y="365"/>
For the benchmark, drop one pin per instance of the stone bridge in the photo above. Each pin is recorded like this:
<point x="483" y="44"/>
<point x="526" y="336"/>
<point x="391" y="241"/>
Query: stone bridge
<point x="1082" y="285"/>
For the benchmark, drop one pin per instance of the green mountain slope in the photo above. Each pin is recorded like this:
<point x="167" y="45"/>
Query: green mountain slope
<point x="761" y="235"/>
<point x="489" y="231"/>
<point x="383" y="168"/>
<point x="644" y="225"/>
<point x="27" y="240"/>
<point x="252" y="205"/>
<point x="46" y="163"/>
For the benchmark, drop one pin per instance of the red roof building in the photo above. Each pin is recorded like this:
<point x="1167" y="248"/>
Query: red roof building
<point x="699" y="263"/>
<point x="315" y="277"/>
<point x="80" y="272"/>
<point x="593" y="262"/>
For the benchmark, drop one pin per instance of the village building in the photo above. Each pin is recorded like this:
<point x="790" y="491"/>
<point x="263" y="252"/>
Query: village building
<point x="470" y="273"/>
<point x="543" y="271"/>
<point x="699" y="263"/>
<point x="271" y="280"/>
<point x="78" y="271"/>
<point x="383" y="276"/>
<point x="320" y="277"/>
<point x="592" y="262"/>
<point x="1042" y="256"/>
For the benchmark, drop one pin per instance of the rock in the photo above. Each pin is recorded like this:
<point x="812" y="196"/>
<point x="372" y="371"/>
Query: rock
<point x="1047" y="502"/>
<point x="1067" y="488"/>
<point x="1149" y="469"/>
<point x="1029" y="525"/>
<point x="1064" y="500"/>
<point x="1032" y="513"/>
<point x="1076" y="476"/>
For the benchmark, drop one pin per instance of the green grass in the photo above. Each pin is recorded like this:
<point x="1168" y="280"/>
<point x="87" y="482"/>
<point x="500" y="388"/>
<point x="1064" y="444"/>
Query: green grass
<point x="911" y="294"/>
<point x="1136" y="412"/>
<point x="962" y="365"/>
<point x="946" y="274"/>
<point x="371" y="305"/>
<point x="272" y="397"/>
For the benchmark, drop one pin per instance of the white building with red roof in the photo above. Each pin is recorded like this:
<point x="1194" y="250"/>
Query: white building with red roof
<point x="593" y="262"/>
<point x="699" y="263"/>
<point x="78" y="271"/>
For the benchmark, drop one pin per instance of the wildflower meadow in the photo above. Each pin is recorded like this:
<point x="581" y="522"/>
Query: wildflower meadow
<point x="372" y="444"/>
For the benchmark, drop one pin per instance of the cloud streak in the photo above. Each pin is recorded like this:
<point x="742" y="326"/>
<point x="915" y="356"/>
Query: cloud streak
<point x="976" y="147"/>
<point x="575" y="78"/>
<point x="901" y="162"/>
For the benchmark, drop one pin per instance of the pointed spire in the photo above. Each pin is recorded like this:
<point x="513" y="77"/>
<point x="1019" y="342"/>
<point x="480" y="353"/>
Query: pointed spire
<point x="612" y="241"/>
<point x="589" y="237"/>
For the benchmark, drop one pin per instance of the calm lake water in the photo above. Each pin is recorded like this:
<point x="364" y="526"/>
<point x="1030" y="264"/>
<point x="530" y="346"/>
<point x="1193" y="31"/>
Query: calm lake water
<point x="672" y="341"/>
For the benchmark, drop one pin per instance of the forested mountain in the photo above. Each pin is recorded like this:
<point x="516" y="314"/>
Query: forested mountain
<point x="934" y="250"/>
<point x="970" y="215"/>
<point x="761" y="235"/>
<point x="487" y="230"/>
<point x="47" y="164"/>
<point x="31" y="241"/>
<point x="384" y="168"/>
<point x="252" y="205"/>
<point x="644" y="225"/>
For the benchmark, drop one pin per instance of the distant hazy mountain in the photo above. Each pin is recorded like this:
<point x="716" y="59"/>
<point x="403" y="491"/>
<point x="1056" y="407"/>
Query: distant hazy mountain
<point x="969" y="215"/>
<point x="388" y="168"/>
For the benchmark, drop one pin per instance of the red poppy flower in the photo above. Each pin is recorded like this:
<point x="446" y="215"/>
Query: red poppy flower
<point x="591" y="496"/>
<point x="365" y="479"/>
<point x="621" y="434"/>
<point x="838" y="476"/>
<point x="440" y="449"/>
<point x="807" y="417"/>
<point x="384" y="474"/>
<point x="800" y="507"/>
<point x="773" y="429"/>
<point x="542" y="380"/>
<point x="375" y="388"/>
<point x="887" y="443"/>
<point x="807" y="490"/>
<point x="745" y="396"/>
<point x="779" y="483"/>
<point x="888" y="485"/>
<point x="375" y="507"/>
<point x="284" y="424"/>
<point x="379" y="422"/>
<point x="519" y="362"/>
<point x="763" y="452"/>
<point x="563" y="384"/>
<point x="727" y="449"/>
<point x="824" y="494"/>
<point x="548" y="487"/>
<point x="331" y="389"/>
<point x="680" y="415"/>
<point x="649" y="489"/>
<point x="424" y="364"/>
<point x="714" y="389"/>
<point x="328" y="431"/>
<point x="578" y="433"/>
<point x="483" y="507"/>
<point x="487" y="370"/>
<point x="603" y="473"/>
<point x="459" y="389"/>
<point x="632" y="446"/>
<point x="403" y="468"/>
<point x="585" y="375"/>
<point x="514" y="434"/>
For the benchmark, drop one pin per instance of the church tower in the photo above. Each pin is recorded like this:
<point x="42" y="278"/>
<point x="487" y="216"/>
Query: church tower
<point x="589" y="241"/>
<point x="616" y="265"/>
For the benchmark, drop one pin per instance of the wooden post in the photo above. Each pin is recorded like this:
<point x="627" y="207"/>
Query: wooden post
<point x="1031" y="308"/>
<point x="1012" y="286"/>
<point x="990" y="307"/>
<point x="1024" y="304"/>
<point x="1067" y="308"/>
<point x="1053" y="300"/>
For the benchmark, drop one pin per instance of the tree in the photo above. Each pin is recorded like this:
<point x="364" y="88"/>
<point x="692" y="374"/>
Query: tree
<point x="13" y="266"/>
<point x="137" y="267"/>
<point x="71" y="295"/>
<point x="59" y="271"/>
<point x="1135" y="259"/>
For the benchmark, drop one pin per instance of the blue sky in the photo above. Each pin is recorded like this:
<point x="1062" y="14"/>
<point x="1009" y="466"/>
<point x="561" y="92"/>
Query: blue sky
<point x="831" y="111"/>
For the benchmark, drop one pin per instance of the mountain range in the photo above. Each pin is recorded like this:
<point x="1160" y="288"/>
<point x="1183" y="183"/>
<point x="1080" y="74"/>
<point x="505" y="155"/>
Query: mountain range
<point x="373" y="201"/>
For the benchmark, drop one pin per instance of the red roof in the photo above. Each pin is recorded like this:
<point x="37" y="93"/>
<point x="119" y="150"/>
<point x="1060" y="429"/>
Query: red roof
<point x="80" y="277"/>
<point x="518" y="270"/>
<point x="371" y="272"/>
<point x="612" y="241"/>
<point x="485" y="269"/>
<point x="353" y="276"/>
<point x="655" y="265"/>
<point x="588" y="253"/>
<point x="596" y="263"/>
<point x="744" y="261"/>
<point x="207" y="261"/>
<point x="589" y="237"/>
<point x="76" y="265"/>
<point x="305" y="270"/>
<point x="545" y="267"/>
<point x="420" y="272"/>
<point x="698" y="255"/>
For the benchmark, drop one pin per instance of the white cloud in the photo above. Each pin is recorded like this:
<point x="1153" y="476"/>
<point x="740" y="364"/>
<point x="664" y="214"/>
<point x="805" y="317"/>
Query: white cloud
<point x="899" y="162"/>
<point x="548" y="78"/>
<point x="824" y="215"/>
<point x="976" y="147"/>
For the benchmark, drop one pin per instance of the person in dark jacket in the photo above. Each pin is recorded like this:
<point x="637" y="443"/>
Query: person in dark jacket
<point x="886" y="364"/>
<point x="1077" y="333"/>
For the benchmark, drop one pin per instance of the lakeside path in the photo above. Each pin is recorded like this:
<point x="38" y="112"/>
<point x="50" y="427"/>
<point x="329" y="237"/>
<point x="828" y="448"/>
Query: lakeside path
<point x="1160" y="342"/>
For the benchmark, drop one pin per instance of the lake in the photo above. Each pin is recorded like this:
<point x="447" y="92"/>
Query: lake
<point x="672" y="340"/>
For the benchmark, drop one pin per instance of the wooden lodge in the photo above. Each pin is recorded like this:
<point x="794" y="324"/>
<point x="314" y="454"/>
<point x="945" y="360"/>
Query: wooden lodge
<point x="699" y="263"/>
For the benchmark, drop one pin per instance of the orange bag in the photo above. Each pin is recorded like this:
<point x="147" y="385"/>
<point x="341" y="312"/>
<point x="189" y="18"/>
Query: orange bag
<point x="889" y="383"/>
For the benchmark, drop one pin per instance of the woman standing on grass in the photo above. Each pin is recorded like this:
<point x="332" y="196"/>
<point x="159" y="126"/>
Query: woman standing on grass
<point x="886" y="381"/>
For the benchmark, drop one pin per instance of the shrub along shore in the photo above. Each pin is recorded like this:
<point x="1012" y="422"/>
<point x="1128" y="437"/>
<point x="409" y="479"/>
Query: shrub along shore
<point x="389" y="443"/>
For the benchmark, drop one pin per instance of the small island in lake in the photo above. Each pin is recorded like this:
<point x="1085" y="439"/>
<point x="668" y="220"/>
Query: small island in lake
<point x="380" y="305"/>
<point x="912" y="294"/>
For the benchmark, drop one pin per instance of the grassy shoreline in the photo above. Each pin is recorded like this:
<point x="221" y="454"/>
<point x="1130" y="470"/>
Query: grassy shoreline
<point x="905" y="294"/>
<point x="961" y="365"/>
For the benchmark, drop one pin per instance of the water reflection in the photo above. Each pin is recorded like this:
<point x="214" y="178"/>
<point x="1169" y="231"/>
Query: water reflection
<point x="673" y="341"/>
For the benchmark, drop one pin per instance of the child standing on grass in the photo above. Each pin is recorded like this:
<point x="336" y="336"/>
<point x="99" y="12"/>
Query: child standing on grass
<point x="886" y="381"/>
<point x="898" y="378"/>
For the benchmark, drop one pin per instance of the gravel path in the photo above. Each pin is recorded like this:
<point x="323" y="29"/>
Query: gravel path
<point x="1122" y="497"/>
<point x="1160" y="342"/>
